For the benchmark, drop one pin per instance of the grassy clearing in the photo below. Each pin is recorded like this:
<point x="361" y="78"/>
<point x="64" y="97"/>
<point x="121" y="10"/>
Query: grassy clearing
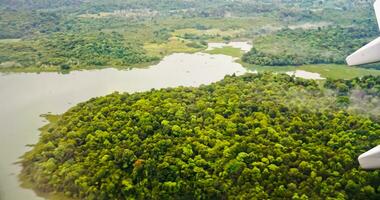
<point x="174" y="45"/>
<point x="9" y="40"/>
<point x="339" y="71"/>
<point x="29" y="69"/>
<point x="236" y="28"/>
<point x="273" y="44"/>
<point x="325" y="70"/>
<point x="220" y="23"/>
<point x="209" y="32"/>
<point x="229" y="51"/>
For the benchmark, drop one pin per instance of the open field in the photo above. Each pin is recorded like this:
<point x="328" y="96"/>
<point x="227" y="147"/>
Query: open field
<point x="227" y="50"/>
<point x="9" y="40"/>
<point x="174" y="45"/>
<point x="325" y="70"/>
<point x="214" y="34"/>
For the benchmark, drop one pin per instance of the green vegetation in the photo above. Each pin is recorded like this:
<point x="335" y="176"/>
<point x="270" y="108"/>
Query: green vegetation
<point x="163" y="27"/>
<point x="227" y="50"/>
<point x="40" y="26"/>
<point x="340" y="71"/>
<point x="174" y="45"/>
<point x="74" y="51"/>
<point x="370" y="85"/>
<point x="359" y="95"/>
<point x="126" y="44"/>
<point x="259" y="136"/>
<point x="251" y="137"/>
<point x="313" y="46"/>
<point x="216" y="35"/>
<point x="332" y="71"/>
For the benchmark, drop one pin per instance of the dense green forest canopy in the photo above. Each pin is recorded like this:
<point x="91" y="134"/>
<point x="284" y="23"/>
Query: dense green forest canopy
<point x="250" y="137"/>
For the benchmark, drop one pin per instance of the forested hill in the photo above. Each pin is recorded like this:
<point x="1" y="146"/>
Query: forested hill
<point x="251" y="137"/>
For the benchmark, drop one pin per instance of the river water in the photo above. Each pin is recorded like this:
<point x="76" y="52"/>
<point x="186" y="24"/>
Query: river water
<point x="244" y="46"/>
<point x="305" y="75"/>
<point x="25" y="96"/>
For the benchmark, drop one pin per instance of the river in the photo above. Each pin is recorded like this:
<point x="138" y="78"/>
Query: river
<point x="25" y="96"/>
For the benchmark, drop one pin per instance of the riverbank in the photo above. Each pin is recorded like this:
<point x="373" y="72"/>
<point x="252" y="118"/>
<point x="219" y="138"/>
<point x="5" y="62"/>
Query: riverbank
<point x="51" y="121"/>
<point x="28" y="95"/>
<point x="159" y="50"/>
<point x="234" y="49"/>
<point x="332" y="71"/>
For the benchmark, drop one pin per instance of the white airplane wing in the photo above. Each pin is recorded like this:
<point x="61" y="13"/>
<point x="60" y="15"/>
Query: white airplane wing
<point x="371" y="52"/>
<point x="370" y="159"/>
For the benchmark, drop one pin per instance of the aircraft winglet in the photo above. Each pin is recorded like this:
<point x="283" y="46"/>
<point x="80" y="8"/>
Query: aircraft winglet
<point x="370" y="53"/>
<point x="370" y="159"/>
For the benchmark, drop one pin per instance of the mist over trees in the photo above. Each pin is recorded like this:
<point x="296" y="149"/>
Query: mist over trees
<point x="360" y="95"/>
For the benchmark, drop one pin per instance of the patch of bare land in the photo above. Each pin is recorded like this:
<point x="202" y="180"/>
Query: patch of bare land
<point x="132" y="13"/>
<point x="9" y="64"/>
<point x="309" y="25"/>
